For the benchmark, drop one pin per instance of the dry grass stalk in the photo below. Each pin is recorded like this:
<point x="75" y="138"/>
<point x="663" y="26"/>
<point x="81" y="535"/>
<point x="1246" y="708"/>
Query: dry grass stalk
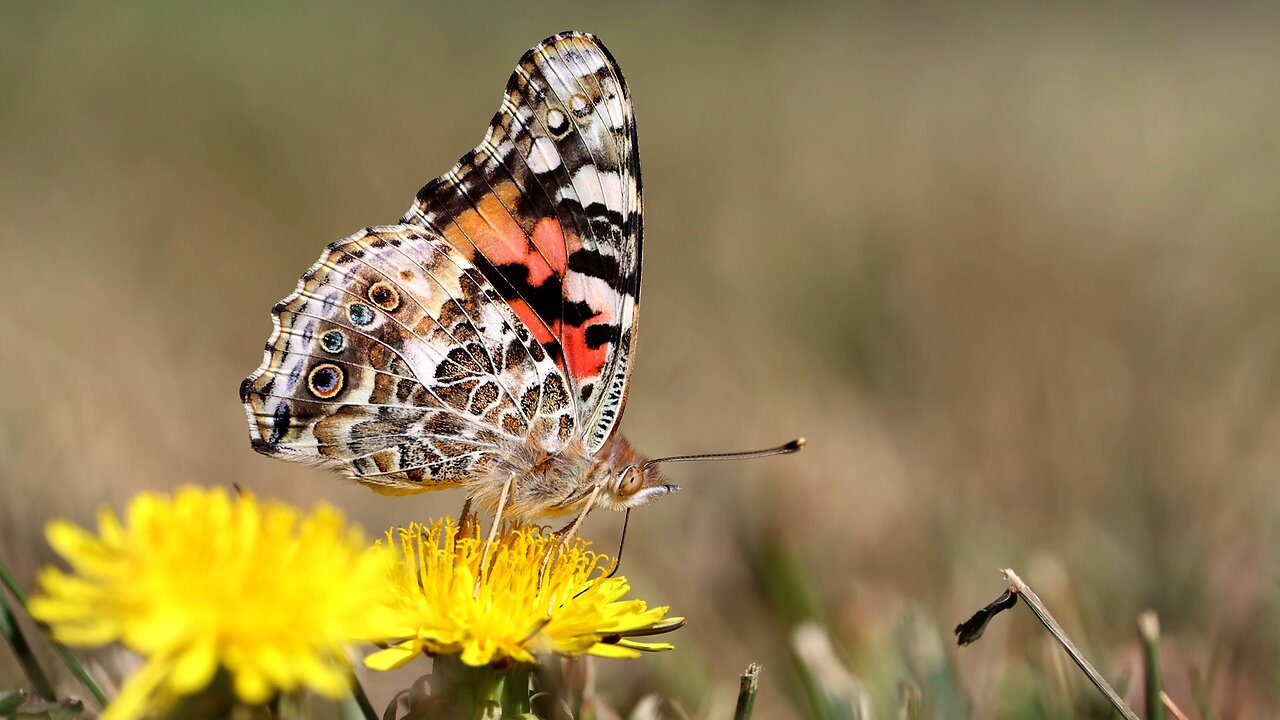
<point x="972" y="629"/>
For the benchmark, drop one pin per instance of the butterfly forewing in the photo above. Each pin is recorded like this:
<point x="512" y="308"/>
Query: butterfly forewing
<point x="548" y="208"/>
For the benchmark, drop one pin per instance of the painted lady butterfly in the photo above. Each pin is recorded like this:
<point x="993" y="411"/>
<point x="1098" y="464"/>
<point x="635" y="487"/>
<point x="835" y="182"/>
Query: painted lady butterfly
<point x="488" y="337"/>
<point x="486" y="340"/>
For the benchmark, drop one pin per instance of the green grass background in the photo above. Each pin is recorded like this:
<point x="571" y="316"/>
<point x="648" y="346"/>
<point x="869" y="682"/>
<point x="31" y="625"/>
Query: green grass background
<point x="1014" y="270"/>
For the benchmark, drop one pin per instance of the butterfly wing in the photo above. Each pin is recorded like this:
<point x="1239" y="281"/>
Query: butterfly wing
<point x="396" y="362"/>
<point x="548" y="208"/>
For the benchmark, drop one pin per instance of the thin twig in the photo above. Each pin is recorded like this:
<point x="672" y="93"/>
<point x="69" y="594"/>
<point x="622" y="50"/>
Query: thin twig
<point x="1042" y="614"/>
<point x="747" y="692"/>
<point x="1172" y="707"/>
<point x="68" y="659"/>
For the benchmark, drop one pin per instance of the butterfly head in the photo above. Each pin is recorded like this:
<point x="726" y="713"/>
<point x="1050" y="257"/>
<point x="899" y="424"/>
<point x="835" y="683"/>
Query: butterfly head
<point x="637" y="485"/>
<point x="630" y="479"/>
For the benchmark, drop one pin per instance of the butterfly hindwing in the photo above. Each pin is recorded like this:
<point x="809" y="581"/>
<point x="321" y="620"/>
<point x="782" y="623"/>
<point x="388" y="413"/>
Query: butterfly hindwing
<point x="548" y="207"/>
<point x="397" y="362"/>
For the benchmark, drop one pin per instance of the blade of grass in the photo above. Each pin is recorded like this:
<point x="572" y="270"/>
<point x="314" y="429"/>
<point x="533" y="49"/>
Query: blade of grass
<point x="1149" y="632"/>
<point x="68" y="659"/>
<point x="912" y="707"/>
<point x="1200" y="694"/>
<point x="836" y="693"/>
<point x="22" y="649"/>
<point x="747" y="692"/>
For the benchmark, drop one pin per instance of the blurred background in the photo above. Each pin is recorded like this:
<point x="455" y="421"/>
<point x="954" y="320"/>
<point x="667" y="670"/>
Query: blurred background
<point x="1012" y="270"/>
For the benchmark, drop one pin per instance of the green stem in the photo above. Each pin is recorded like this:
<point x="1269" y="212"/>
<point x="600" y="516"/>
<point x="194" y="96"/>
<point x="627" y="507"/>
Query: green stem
<point x="747" y="692"/>
<point x="515" y="690"/>
<point x="21" y="648"/>
<point x="1149" y="631"/>
<point x="476" y="692"/>
<point x="67" y="658"/>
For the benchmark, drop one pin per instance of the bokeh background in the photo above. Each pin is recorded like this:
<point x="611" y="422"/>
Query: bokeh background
<point x="1013" y="270"/>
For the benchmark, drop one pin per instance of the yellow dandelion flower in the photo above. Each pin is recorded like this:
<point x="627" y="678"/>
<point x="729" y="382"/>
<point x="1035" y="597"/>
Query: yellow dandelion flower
<point x="203" y="581"/>
<point x="513" y="614"/>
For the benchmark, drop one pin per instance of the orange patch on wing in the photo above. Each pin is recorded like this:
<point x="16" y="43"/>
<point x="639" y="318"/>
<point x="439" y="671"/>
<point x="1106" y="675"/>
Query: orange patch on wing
<point x="550" y="239"/>
<point x="583" y="361"/>
<point x="498" y="237"/>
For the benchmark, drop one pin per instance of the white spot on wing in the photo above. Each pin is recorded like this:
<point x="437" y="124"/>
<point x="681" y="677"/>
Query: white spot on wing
<point x="557" y="123"/>
<point x="543" y="156"/>
<point x="593" y="60"/>
<point x="597" y="293"/>
<point x="613" y="105"/>
<point x="595" y="186"/>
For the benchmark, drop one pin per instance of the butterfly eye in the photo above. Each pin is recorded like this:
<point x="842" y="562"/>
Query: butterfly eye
<point x="630" y="484"/>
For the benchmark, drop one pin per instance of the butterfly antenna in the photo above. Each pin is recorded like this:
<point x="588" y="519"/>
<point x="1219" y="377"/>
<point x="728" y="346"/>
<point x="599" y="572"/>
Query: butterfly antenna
<point x="786" y="449"/>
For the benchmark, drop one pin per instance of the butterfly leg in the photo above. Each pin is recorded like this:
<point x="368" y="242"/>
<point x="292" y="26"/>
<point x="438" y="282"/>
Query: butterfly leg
<point x="493" y="530"/>
<point x="465" y="517"/>
<point x="566" y="534"/>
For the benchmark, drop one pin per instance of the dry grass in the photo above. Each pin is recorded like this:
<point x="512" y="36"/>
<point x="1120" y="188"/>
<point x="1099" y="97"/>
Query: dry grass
<point x="1013" y="272"/>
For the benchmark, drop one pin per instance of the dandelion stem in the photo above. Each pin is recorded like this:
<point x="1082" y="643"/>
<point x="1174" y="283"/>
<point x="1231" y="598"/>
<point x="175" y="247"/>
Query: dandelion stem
<point x="67" y="658"/>
<point x="1042" y="614"/>
<point x="515" y="691"/>
<point x="22" y="649"/>
<point x="747" y="692"/>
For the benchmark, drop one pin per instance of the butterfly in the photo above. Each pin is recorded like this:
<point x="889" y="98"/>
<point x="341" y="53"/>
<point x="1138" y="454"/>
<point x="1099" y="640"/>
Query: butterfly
<point x="486" y="340"/>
